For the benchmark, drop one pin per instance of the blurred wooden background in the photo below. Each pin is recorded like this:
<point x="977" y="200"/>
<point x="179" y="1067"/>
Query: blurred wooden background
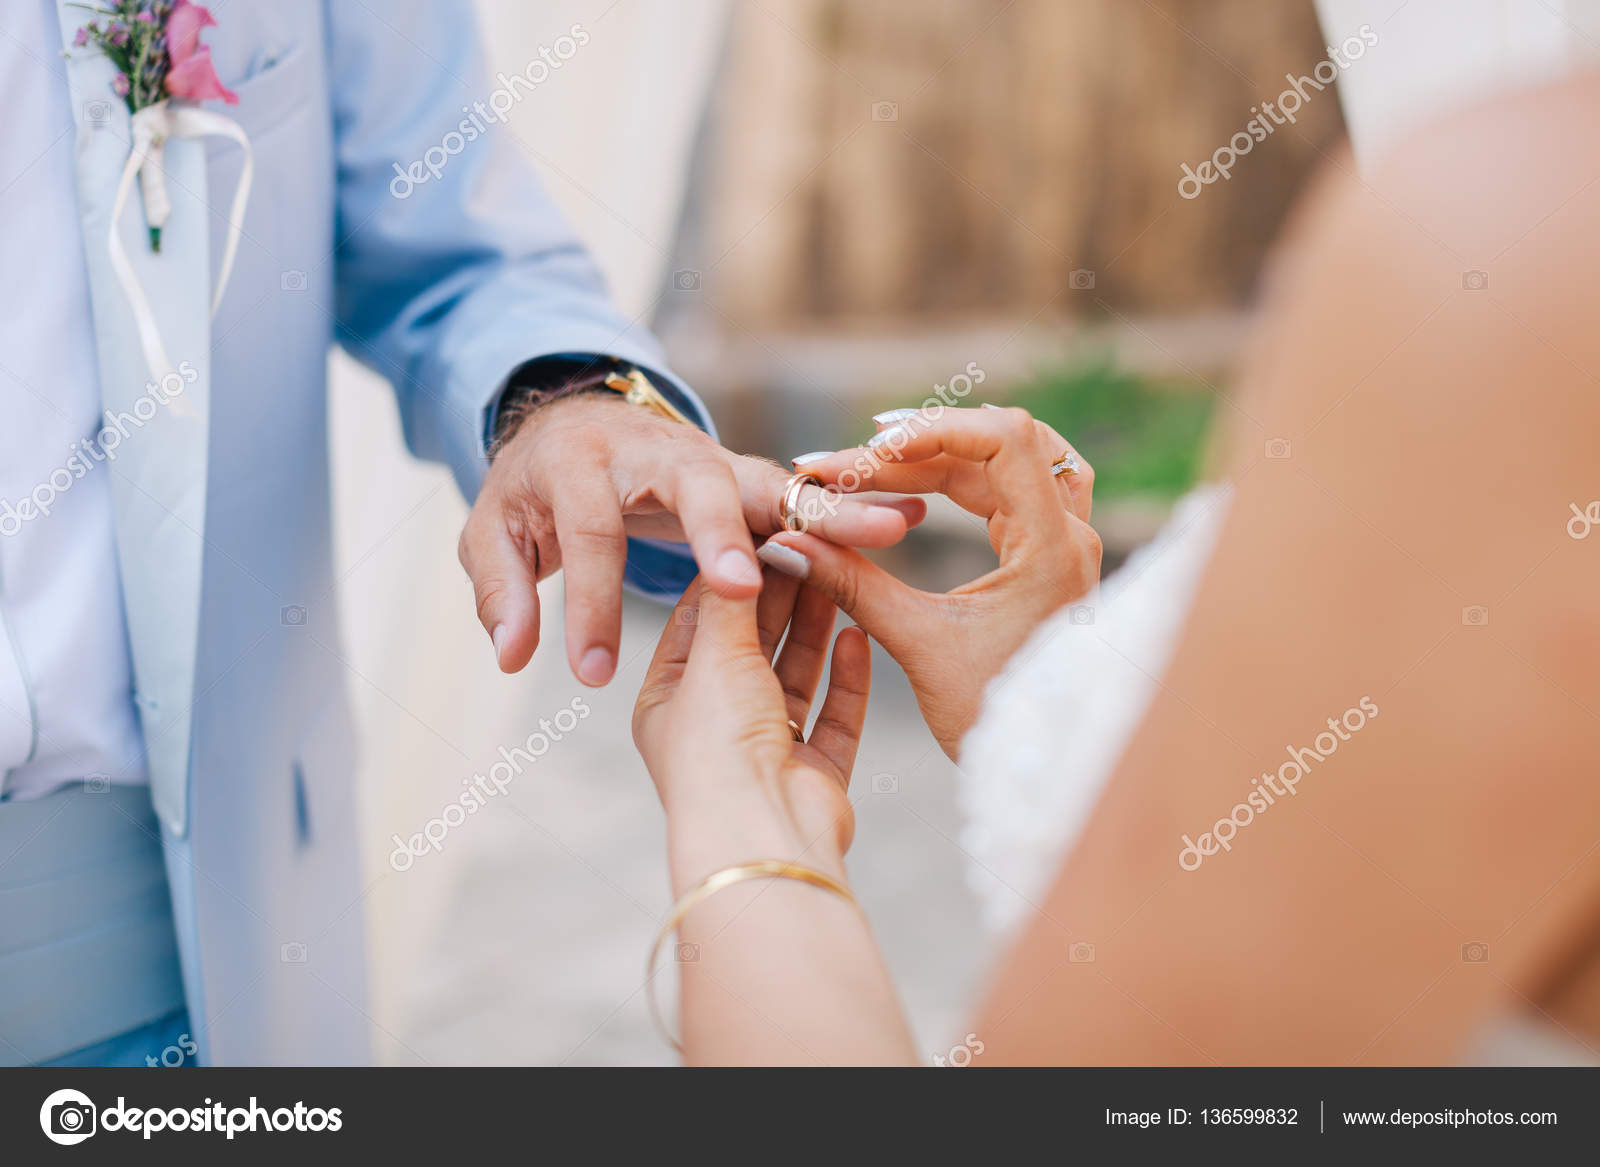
<point x="871" y="161"/>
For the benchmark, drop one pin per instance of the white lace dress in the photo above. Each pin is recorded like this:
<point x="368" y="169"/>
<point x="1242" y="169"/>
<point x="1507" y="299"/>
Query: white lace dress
<point x="1057" y="719"/>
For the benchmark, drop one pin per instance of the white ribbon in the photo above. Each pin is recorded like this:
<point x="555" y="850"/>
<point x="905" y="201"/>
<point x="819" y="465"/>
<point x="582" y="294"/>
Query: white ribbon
<point x="152" y="126"/>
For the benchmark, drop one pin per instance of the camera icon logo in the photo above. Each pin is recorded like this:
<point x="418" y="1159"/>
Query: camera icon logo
<point x="1081" y="280"/>
<point x="293" y="281"/>
<point x="885" y="111"/>
<point x="67" y="1117"/>
<point x="1278" y="449"/>
<point x="1475" y="616"/>
<point x="1475" y="952"/>
<point x="294" y="616"/>
<point x="1475" y="280"/>
<point x="1081" y="614"/>
<point x="686" y="280"/>
<point x="1081" y="953"/>
<point x="293" y="952"/>
<point x="885" y="784"/>
<point x="96" y="784"/>
<point x="97" y="113"/>
<point x="687" y="954"/>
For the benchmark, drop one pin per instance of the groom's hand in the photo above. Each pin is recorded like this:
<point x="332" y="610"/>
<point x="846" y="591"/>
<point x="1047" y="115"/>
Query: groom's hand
<point x="578" y="476"/>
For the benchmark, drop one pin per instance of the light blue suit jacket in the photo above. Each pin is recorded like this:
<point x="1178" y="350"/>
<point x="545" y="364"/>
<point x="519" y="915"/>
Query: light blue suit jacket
<point x="222" y="510"/>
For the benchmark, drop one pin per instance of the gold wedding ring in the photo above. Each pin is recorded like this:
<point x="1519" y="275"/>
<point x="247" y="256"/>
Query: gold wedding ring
<point x="789" y="505"/>
<point x="1066" y="464"/>
<point x="794" y="728"/>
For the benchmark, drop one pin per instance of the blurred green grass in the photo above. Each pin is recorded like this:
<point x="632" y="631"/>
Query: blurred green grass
<point x="1145" y="437"/>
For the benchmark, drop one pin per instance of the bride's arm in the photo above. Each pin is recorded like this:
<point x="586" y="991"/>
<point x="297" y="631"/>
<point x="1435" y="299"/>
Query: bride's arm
<point x="1408" y="573"/>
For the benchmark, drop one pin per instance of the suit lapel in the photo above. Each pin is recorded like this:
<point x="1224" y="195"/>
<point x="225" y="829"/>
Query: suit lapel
<point x="158" y="463"/>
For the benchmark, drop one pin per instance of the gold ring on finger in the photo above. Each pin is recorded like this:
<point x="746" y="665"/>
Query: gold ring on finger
<point x="789" y="505"/>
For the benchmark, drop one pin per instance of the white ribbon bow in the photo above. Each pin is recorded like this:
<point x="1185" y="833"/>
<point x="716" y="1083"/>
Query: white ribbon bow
<point x="152" y="126"/>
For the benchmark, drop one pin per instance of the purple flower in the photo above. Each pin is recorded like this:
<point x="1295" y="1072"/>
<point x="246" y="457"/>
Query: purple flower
<point x="119" y="85"/>
<point x="81" y="39"/>
<point x="146" y="17"/>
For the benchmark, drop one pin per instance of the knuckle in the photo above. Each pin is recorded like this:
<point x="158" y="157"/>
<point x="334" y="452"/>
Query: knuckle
<point x="846" y="589"/>
<point x="711" y="478"/>
<point x="1092" y="545"/>
<point x="488" y="593"/>
<point x="594" y="535"/>
<point x="1017" y="424"/>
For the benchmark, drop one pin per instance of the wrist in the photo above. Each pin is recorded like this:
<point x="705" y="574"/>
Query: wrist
<point x="705" y="835"/>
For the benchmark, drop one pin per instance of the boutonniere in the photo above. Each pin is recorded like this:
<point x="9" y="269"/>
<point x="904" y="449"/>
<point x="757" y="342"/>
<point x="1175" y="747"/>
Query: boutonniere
<point x="155" y="45"/>
<point x="164" y="72"/>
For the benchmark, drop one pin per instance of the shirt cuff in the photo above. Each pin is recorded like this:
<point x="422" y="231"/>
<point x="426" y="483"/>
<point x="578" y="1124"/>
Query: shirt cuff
<point x="550" y="371"/>
<point x="656" y="569"/>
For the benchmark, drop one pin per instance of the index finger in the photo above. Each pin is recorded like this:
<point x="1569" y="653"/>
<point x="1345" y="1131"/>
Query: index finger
<point x="1006" y="442"/>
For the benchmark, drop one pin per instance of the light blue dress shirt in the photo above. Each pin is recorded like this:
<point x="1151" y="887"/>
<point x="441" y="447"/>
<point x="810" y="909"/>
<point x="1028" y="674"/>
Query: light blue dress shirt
<point x="66" y="699"/>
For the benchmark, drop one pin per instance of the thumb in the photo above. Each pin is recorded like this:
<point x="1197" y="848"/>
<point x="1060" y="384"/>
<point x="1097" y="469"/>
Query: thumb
<point x="887" y="610"/>
<point x="726" y="626"/>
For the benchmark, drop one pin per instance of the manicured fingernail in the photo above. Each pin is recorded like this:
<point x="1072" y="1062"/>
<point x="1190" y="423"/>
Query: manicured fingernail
<point x="817" y="456"/>
<point x="895" y="433"/>
<point x="784" y="559"/>
<point x="498" y="639"/>
<point x="595" y="667"/>
<point x="889" y="417"/>
<point x="735" y="567"/>
<point x="989" y="405"/>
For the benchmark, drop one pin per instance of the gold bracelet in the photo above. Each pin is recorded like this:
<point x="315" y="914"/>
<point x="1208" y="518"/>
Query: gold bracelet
<point x="710" y="886"/>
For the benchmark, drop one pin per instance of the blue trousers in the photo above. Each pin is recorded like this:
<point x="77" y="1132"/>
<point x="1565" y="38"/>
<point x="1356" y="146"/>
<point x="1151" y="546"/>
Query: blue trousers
<point x="166" y="1042"/>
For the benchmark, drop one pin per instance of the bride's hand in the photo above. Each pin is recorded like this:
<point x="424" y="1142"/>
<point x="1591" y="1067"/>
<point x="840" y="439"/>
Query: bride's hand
<point x="712" y="723"/>
<point x="996" y="463"/>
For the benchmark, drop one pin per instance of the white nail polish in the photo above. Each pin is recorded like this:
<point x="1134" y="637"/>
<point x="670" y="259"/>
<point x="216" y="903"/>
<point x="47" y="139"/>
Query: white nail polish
<point x="889" y="417"/>
<point x="784" y="559"/>
<point x="895" y="434"/>
<point x="990" y="405"/>
<point x="817" y="456"/>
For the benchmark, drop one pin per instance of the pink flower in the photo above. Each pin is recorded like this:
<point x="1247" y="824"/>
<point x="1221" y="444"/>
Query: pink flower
<point x="192" y="74"/>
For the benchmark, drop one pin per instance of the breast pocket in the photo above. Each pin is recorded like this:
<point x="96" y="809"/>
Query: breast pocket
<point x="288" y="220"/>
<point x="283" y="85"/>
